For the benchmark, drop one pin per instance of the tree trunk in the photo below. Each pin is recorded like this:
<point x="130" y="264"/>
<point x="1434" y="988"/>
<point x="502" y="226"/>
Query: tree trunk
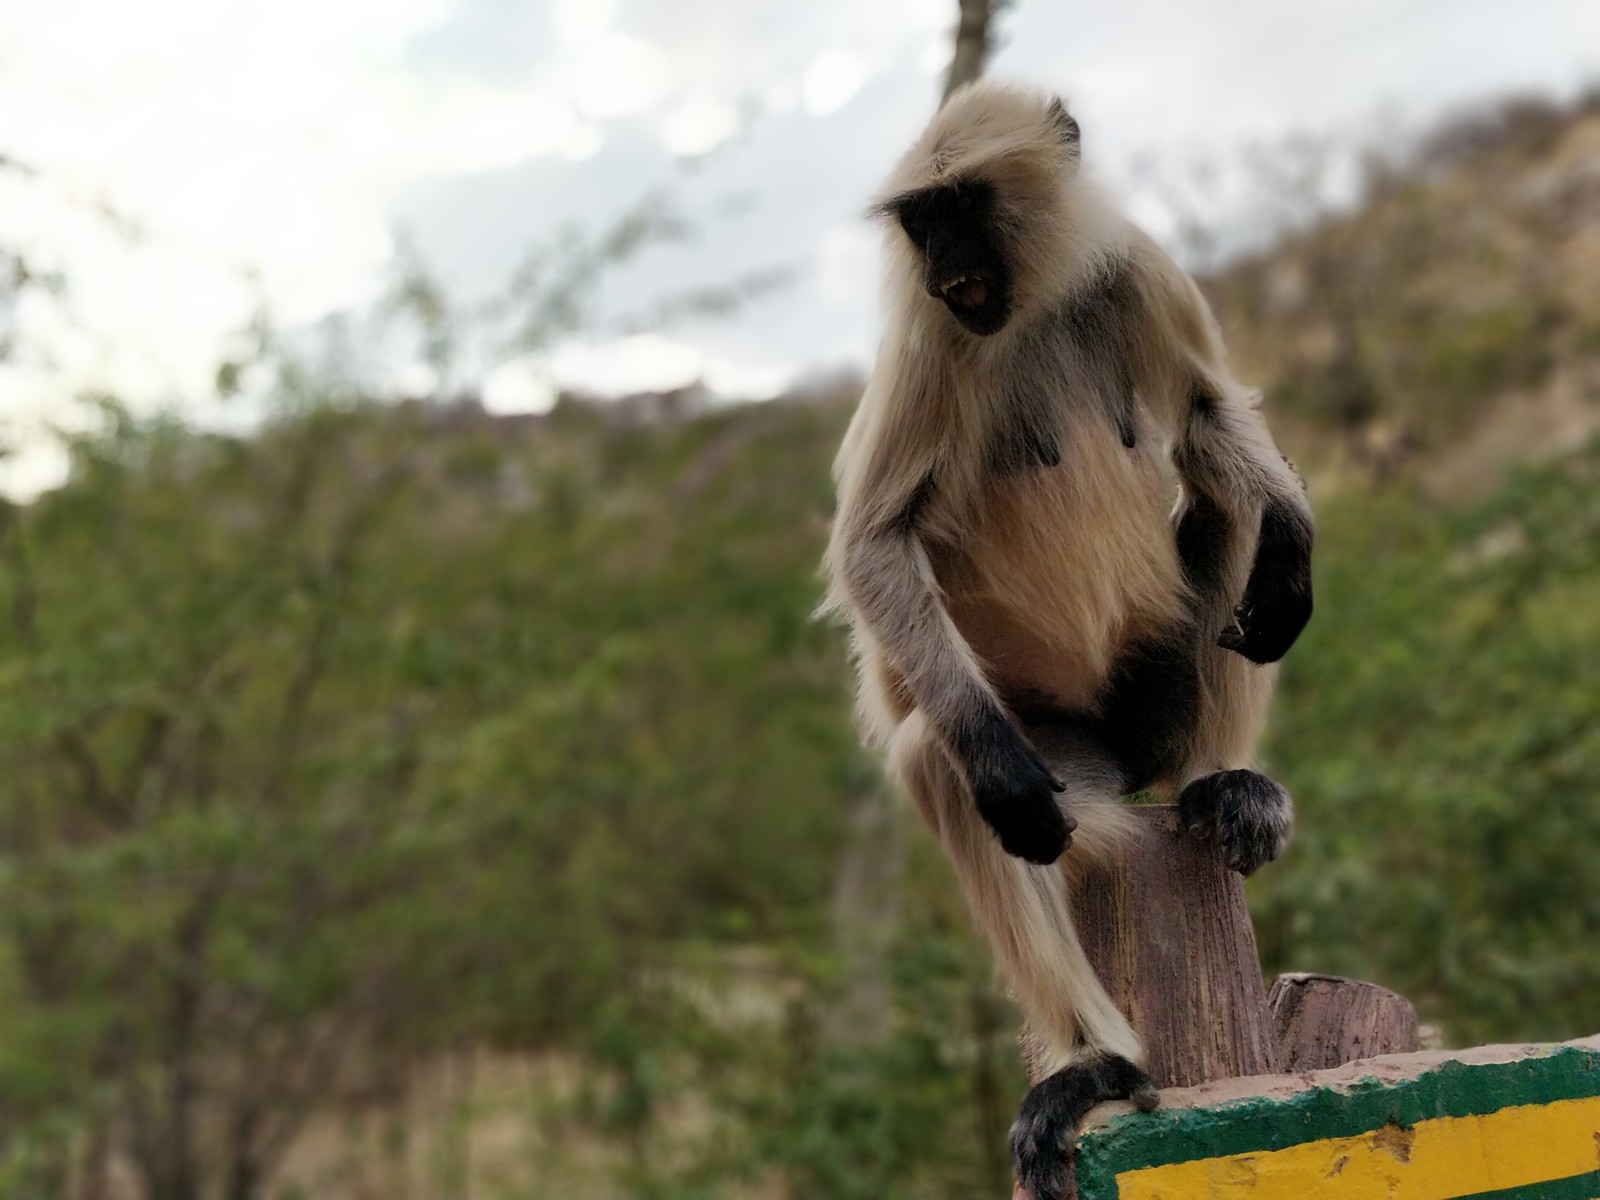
<point x="972" y="43"/>
<point x="1326" y="1021"/>
<point x="1169" y="935"/>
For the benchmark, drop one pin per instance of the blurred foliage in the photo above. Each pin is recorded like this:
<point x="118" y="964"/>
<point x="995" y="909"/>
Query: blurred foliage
<point x="392" y="742"/>
<point x="388" y="730"/>
<point x="1441" y="724"/>
<point x="290" y="729"/>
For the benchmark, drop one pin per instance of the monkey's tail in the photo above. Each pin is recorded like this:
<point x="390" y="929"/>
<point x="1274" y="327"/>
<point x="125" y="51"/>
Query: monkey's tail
<point x="1024" y="910"/>
<point x="1093" y="781"/>
<point x="1106" y="830"/>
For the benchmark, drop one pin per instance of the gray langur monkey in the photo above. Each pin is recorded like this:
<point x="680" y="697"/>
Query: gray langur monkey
<point x="1066" y="545"/>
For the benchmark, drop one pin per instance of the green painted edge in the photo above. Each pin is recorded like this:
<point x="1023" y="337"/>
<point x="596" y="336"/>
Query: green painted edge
<point x="1573" y="1187"/>
<point x="1261" y="1123"/>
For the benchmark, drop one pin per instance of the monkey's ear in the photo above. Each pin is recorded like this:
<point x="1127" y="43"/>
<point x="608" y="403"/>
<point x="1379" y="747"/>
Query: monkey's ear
<point x="1065" y="125"/>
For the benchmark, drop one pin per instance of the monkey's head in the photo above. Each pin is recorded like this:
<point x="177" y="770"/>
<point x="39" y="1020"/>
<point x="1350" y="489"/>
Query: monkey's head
<point x="980" y="209"/>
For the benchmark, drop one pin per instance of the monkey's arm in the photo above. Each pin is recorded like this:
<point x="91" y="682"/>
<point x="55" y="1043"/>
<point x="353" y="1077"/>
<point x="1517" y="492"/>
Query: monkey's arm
<point x="1226" y="455"/>
<point x="882" y="573"/>
<point x="1230" y="465"/>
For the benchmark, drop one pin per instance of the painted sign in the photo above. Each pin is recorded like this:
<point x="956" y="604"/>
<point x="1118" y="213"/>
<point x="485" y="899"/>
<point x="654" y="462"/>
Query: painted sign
<point x="1494" y="1123"/>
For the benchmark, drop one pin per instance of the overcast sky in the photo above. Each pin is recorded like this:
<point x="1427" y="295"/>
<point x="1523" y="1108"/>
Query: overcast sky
<point x="272" y="151"/>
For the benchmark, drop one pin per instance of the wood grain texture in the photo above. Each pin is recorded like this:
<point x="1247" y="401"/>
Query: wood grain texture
<point x="1326" y="1021"/>
<point x="1169" y="934"/>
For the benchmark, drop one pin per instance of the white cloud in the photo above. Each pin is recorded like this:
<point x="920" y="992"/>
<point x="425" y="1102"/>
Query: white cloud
<point x="847" y="261"/>
<point x="738" y="382"/>
<point x="646" y="362"/>
<point x="627" y="366"/>
<point x="518" y="386"/>
<point x="275" y="139"/>
<point x="467" y="128"/>
<point x="928" y="14"/>
<point x="935" y="57"/>
<point x="781" y="98"/>
<point x="253" y="136"/>
<point x="583" y="142"/>
<point x="257" y="146"/>
<point x="699" y="124"/>
<point x="579" y="22"/>
<point x="619" y="76"/>
<point x="415" y="381"/>
<point x="832" y="80"/>
<point x="30" y="462"/>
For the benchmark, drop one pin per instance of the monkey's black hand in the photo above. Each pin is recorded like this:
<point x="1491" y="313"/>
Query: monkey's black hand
<point x="1277" y="597"/>
<point x="1044" y="1135"/>
<point x="1014" y="790"/>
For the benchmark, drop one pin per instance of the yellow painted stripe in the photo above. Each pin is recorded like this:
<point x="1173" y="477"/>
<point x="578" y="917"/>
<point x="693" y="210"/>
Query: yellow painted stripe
<point x="1434" y="1160"/>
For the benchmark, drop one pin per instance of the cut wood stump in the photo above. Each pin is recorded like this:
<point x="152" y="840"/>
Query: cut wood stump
<point x="1168" y="932"/>
<point x="1169" y="935"/>
<point x="1326" y="1021"/>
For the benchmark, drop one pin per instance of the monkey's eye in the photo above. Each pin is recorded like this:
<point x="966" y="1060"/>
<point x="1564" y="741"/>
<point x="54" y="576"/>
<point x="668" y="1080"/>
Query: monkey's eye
<point x="914" y="225"/>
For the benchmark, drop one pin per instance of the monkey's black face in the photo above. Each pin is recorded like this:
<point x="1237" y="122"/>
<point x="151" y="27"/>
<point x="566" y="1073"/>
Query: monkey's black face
<point x="964" y="261"/>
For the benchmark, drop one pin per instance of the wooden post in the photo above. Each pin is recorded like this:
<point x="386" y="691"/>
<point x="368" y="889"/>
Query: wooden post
<point x="1170" y="937"/>
<point x="1326" y="1021"/>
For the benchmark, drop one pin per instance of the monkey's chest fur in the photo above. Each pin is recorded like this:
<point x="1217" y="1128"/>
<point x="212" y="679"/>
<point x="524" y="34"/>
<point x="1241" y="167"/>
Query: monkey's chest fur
<point x="1067" y="566"/>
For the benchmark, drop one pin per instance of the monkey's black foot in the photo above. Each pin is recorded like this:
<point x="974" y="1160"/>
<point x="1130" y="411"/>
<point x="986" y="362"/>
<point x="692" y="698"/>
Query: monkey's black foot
<point x="1249" y="815"/>
<point x="1016" y="794"/>
<point x="1044" y="1136"/>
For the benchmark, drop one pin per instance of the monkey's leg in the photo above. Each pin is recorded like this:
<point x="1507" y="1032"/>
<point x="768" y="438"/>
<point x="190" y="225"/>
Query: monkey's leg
<point x="1248" y="815"/>
<point x="1044" y="1135"/>
<point x="1025" y="913"/>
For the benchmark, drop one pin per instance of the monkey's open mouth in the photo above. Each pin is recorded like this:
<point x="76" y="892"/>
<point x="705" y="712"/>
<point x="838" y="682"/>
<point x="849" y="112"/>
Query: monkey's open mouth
<point x="968" y="292"/>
